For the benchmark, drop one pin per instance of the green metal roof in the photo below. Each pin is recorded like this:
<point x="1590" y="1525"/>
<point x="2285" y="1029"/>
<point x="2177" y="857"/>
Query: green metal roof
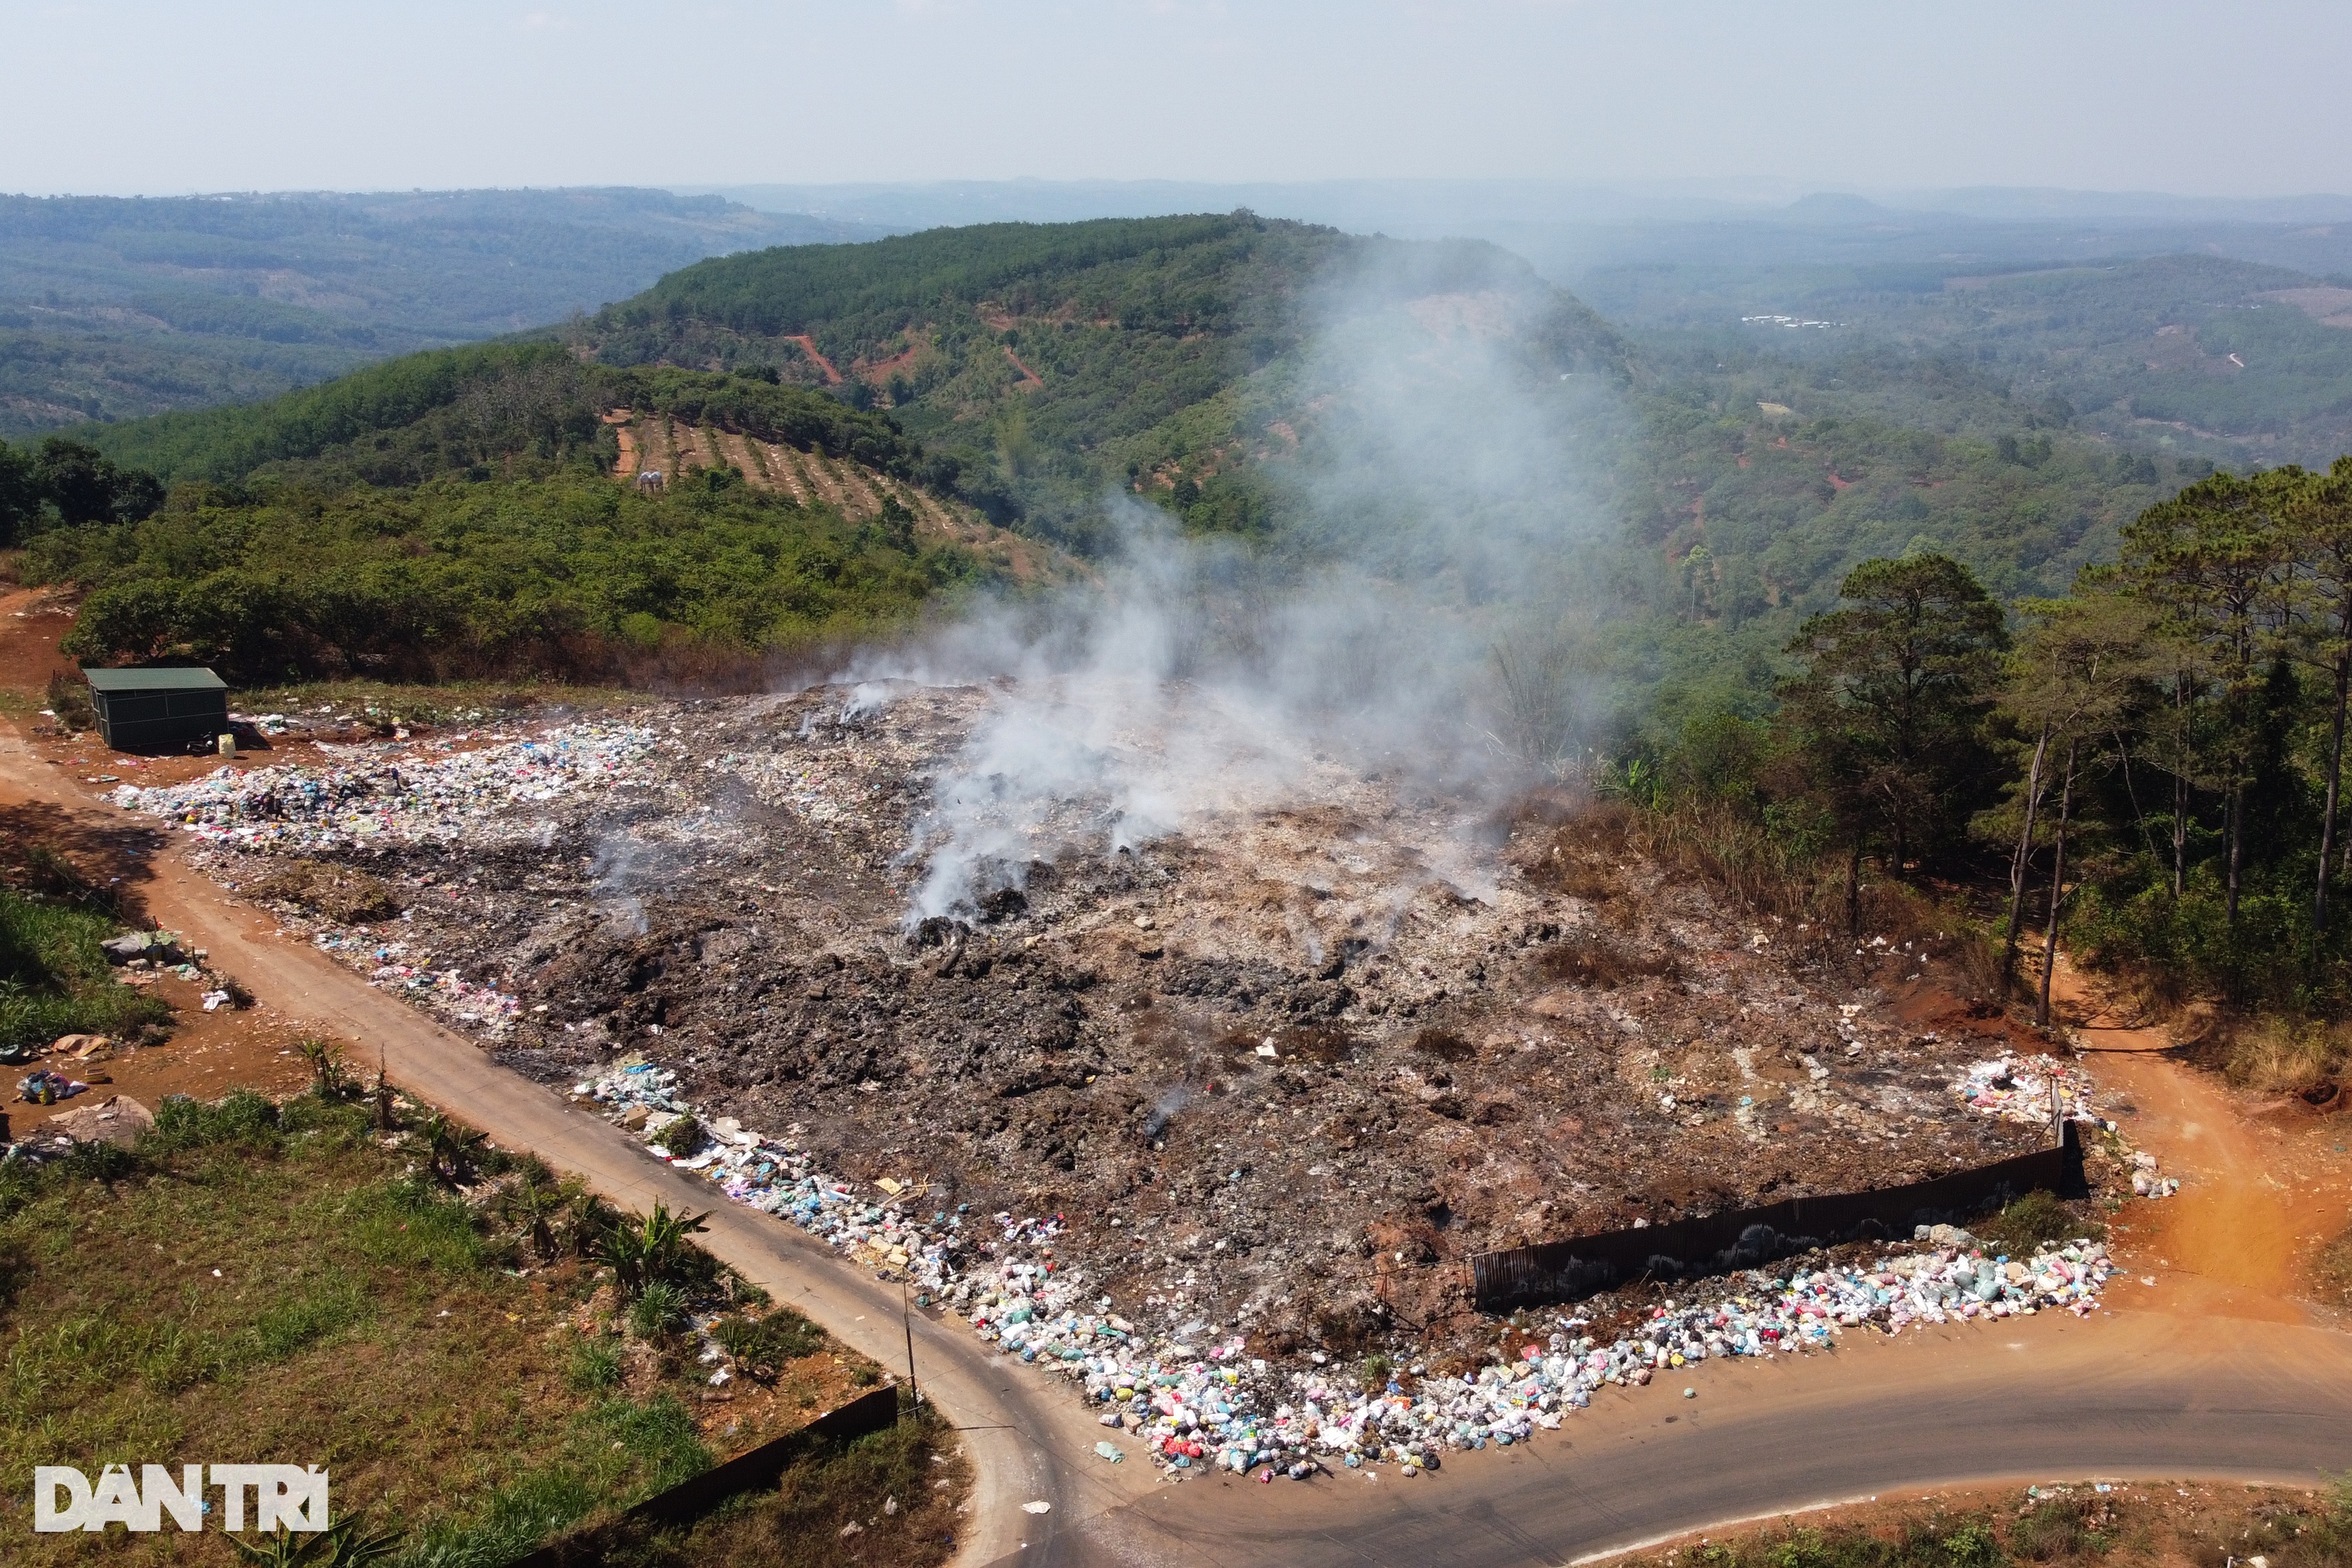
<point x="193" y="677"/>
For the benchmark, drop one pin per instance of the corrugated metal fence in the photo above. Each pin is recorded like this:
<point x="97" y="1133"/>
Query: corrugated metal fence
<point x="1743" y="1239"/>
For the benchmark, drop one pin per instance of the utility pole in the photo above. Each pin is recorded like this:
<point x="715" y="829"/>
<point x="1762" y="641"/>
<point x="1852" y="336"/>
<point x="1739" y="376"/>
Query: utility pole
<point x="907" y="1319"/>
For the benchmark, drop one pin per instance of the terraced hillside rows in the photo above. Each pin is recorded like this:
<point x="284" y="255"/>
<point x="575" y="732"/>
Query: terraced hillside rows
<point x="655" y="443"/>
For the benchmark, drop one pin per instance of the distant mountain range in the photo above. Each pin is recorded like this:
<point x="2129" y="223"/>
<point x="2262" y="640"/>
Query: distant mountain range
<point x="113" y="308"/>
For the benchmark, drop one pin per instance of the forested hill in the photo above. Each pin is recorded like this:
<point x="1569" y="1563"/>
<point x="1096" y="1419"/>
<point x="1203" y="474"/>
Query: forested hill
<point x="113" y="308"/>
<point x="1051" y="362"/>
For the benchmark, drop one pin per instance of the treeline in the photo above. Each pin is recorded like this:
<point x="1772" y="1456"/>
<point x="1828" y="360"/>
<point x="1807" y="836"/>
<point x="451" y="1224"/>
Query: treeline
<point x="564" y="574"/>
<point x="64" y="483"/>
<point x="851" y="296"/>
<point x="2150" y="769"/>
<point x="1056" y="362"/>
<point x="497" y="407"/>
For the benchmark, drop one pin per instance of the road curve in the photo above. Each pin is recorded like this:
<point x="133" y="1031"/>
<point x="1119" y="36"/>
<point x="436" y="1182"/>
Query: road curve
<point x="2127" y="1395"/>
<point x="2213" y="1388"/>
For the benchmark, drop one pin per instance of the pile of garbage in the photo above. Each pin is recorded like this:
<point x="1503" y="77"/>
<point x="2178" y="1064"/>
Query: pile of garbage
<point x="408" y="798"/>
<point x="1198" y="1402"/>
<point x="44" y="1086"/>
<point x="2020" y="1089"/>
<point x="1190" y="1411"/>
<point x="2025" y="1090"/>
<point x="2146" y="1182"/>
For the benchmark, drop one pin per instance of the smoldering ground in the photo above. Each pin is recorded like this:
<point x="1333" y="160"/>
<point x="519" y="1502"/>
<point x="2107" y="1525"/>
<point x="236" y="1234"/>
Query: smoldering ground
<point x="1419" y="615"/>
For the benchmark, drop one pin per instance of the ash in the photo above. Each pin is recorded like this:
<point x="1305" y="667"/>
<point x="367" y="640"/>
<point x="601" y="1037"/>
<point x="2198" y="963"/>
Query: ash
<point x="1277" y="1072"/>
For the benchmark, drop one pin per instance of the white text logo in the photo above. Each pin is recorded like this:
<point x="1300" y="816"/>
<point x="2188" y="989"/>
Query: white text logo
<point x="292" y="1496"/>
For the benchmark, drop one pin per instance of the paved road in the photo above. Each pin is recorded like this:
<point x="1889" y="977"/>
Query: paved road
<point x="2150" y="1390"/>
<point x="2135" y="1395"/>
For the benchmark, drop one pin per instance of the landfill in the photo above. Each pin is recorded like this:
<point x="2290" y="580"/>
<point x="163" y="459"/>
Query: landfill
<point x="2028" y="1090"/>
<point x="435" y="792"/>
<point x="1251" y="1087"/>
<point x="1207" y="1404"/>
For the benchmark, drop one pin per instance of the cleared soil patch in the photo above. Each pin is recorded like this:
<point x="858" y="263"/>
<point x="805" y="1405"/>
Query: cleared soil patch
<point x="31" y="621"/>
<point x="2260" y="1196"/>
<point x="808" y="346"/>
<point x="656" y="443"/>
<point x="625" y="467"/>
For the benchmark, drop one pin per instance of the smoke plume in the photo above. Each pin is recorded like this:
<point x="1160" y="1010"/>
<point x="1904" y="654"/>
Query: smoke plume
<point x="1419" y="615"/>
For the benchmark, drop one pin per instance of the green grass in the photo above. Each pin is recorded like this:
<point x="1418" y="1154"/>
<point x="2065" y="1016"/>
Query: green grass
<point x="54" y="980"/>
<point x="2035" y="1218"/>
<point x="887" y="1485"/>
<point x="360" y="1318"/>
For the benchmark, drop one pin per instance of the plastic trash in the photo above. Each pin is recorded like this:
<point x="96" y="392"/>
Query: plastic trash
<point x="1196" y="1401"/>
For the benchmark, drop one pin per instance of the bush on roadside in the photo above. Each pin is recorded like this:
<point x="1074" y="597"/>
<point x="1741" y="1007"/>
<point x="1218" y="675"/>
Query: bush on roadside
<point x="2039" y="1216"/>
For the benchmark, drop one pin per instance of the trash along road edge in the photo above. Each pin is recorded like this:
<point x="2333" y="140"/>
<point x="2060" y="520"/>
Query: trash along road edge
<point x="1024" y="1441"/>
<point x="2156" y="1397"/>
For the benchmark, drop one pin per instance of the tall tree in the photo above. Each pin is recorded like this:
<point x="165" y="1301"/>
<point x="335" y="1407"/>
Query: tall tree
<point x="20" y="495"/>
<point x="85" y="486"/>
<point x="1895" y="682"/>
<point x="2080" y="669"/>
<point x="2217" y="559"/>
<point x="2320" y="522"/>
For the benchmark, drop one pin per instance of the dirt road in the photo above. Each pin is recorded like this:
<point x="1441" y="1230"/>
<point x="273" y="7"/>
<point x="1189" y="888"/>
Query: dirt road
<point x="1026" y="1437"/>
<point x="2161" y="1386"/>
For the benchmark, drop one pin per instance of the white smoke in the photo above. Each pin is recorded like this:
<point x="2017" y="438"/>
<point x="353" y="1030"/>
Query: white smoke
<point x="1447" y="531"/>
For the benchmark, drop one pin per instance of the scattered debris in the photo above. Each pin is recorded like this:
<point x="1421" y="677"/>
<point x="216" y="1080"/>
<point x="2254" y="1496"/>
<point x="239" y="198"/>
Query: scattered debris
<point x="46" y="1088"/>
<point x="434" y="792"/>
<point x="117" y="1119"/>
<point x="1199" y="1114"/>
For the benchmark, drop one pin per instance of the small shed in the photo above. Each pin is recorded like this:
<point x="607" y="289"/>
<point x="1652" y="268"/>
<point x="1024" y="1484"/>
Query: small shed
<point x="151" y="709"/>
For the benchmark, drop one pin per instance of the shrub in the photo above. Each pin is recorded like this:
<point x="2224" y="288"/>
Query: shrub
<point x="659" y="1311"/>
<point x="681" y="1137"/>
<point x="761" y="1347"/>
<point x="654" y="1248"/>
<point x="69" y="698"/>
<point x="595" y="1365"/>
<point x="2035" y="1218"/>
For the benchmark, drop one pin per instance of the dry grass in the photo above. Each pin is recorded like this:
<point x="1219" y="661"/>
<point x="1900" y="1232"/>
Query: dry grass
<point x="2331" y="1270"/>
<point x="1443" y="1044"/>
<point x="1805" y="894"/>
<point x="1588" y="957"/>
<point x="2272" y="1055"/>
<point x="2203" y="1526"/>
<point x="888" y="1500"/>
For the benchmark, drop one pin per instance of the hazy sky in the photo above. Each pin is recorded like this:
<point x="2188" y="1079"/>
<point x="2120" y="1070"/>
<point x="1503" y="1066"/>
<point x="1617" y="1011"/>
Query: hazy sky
<point x="168" y="96"/>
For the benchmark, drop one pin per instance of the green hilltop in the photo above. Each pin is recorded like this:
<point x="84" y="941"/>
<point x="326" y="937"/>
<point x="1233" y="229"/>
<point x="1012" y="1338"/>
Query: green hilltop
<point x="1052" y="364"/>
